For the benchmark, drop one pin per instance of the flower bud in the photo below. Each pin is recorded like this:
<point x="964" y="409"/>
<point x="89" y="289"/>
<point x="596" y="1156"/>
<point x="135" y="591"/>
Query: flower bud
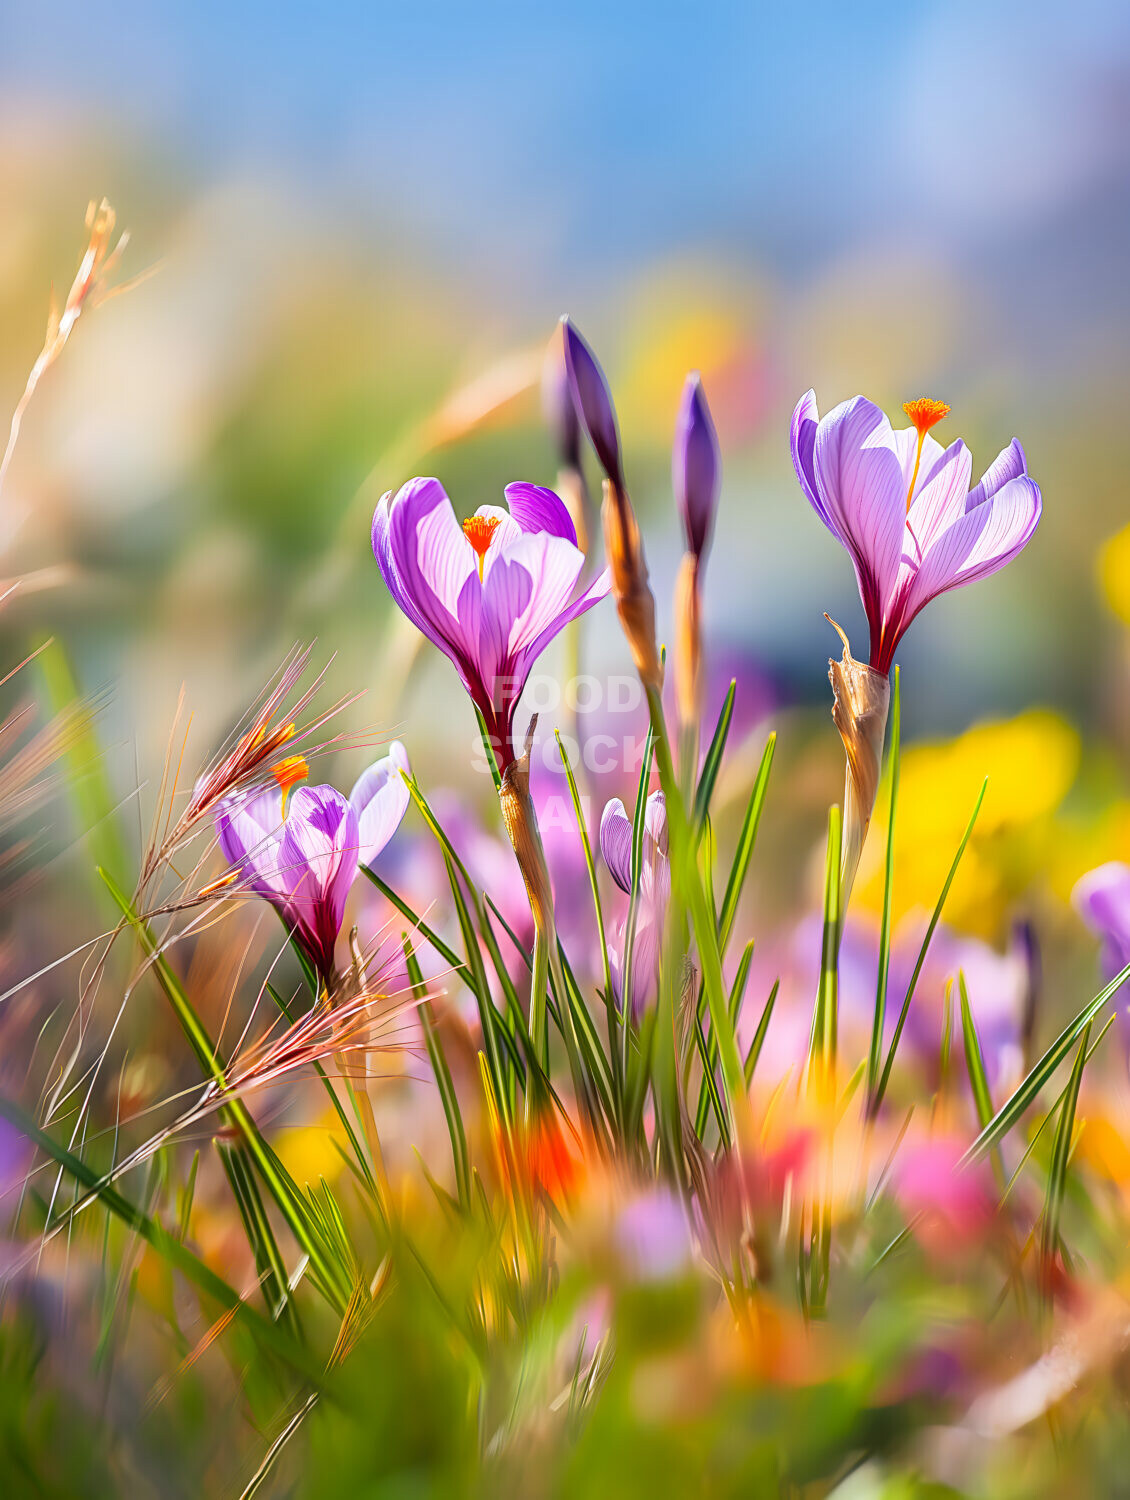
<point x="861" y="701"/>
<point x="594" y="402"/>
<point x="696" y="466"/>
<point x="557" y="402"/>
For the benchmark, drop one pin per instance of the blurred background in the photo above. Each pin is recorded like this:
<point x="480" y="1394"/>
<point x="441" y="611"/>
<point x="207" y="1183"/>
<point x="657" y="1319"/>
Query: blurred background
<point x="362" y="224"/>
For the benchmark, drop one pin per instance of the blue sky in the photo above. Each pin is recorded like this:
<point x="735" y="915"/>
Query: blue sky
<point x="518" y="135"/>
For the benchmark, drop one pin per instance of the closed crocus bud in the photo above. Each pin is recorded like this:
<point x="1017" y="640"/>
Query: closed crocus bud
<point x="557" y="401"/>
<point x="593" y="402"/>
<point x="696" y="466"/>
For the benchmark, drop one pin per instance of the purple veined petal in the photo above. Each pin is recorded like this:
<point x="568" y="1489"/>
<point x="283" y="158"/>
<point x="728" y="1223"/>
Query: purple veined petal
<point x="249" y="832"/>
<point x="553" y="567"/>
<point x="593" y="401"/>
<point x="536" y="508"/>
<point x="320" y="845"/>
<point x="616" y="843"/>
<point x="696" y="466"/>
<point x="380" y="799"/>
<point x="979" y="543"/>
<point x="382" y="551"/>
<point x="859" y="477"/>
<point x="802" y="440"/>
<point x="597" y="590"/>
<point x="433" y="565"/>
<point x="904" y="441"/>
<point x="655" y="821"/>
<point x="645" y="959"/>
<point x="939" y="498"/>
<point x="1010" y="463"/>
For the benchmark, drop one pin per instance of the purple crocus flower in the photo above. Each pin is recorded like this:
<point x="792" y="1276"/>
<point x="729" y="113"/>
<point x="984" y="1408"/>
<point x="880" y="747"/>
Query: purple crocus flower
<point x="654" y="891"/>
<point x="492" y="593"/>
<point x="696" y="466"/>
<point x="1102" y="899"/>
<point x="301" y="852"/>
<point x="902" y="506"/>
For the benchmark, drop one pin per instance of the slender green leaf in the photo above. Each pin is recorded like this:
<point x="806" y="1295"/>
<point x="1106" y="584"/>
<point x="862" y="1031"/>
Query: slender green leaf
<point x="1015" y="1107"/>
<point x="712" y="762"/>
<point x="1061" y="1155"/>
<point x="922" y="952"/>
<point x="747" y="840"/>
<point x="444" y="1082"/>
<point x="271" y="1336"/>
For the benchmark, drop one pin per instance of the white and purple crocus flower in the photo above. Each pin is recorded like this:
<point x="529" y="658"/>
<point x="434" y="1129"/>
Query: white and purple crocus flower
<point x="654" y="893"/>
<point x="901" y="505"/>
<point x="301" y="850"/>
<point x="491" y="593"/>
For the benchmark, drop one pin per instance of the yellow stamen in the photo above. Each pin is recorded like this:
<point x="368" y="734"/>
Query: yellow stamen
<point x="288" y="773"/>
<point x="479" y="531"/>
<point x="218" y="885"/>
<point x="924" y="413"/>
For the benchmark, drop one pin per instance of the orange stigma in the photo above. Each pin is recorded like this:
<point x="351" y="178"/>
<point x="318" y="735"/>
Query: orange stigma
<point x="924" y="413"/>
<point x="288" y="773"/>
<point x="479" y="531"/>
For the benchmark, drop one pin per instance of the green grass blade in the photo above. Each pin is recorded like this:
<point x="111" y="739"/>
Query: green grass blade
<point x="612" y="1020"/>
<point x="271" y="1336"/>
<point x="747" y="839"/>
<point x="759" y="1035"/>
<point x="287" y="1200"/>
<point x="1061" y="1155"/>
<point x="1015" y="1107"/>
<point x="488" y="749"/>
<point x="1051" y="1114"/>
<point x="974" y="1058"/>
<point x="710" y="1062"/>
<point x="935" y="917"/>
<point x="712" y="762"/>
<point x="894" y="760"/>
<point x="639" y="816"/>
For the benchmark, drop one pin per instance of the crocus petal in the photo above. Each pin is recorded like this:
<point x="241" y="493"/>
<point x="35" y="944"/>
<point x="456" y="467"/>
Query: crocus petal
<point x="249" y="833"/>
<point x="802" y="440"/>
<point x="939" y="499"/>
<point x="859" y="477"/>
<point x="977" y="544"/>
<point x="380" y="798"/>
<point x="1102" y="899"/>
<point x="597" y="590"/>
<point x="429" y="566"/>
<point x="320" y="843"/>
<point x="616" y="843"/>
<point x="1010" y="463"/>
<point x="536" y="508"/>
<point x="551" y="567"/>
<point x="655" y="820"/>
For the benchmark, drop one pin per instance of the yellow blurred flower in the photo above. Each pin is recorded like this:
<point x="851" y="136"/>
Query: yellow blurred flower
<point x="1031" y="762"/>
<point x="308" y="1151"/>
<point x="1113" y="567"/>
